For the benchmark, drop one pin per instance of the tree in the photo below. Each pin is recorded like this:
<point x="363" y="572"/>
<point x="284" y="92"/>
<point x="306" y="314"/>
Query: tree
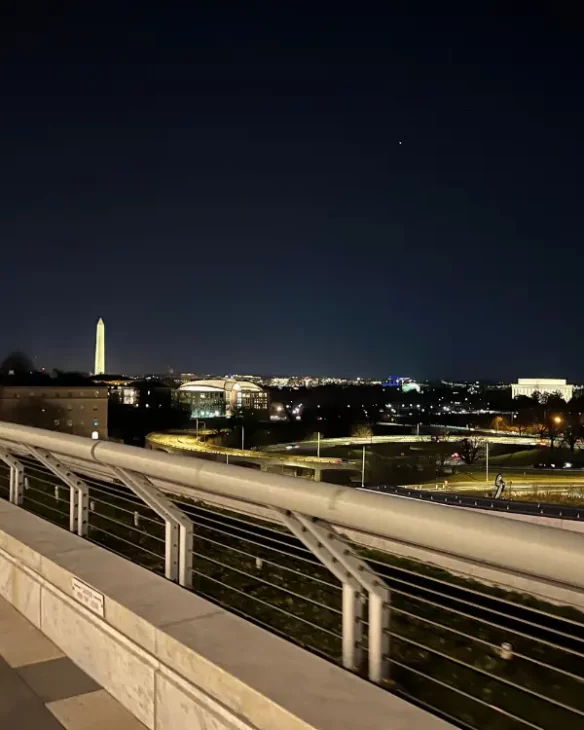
<point x="573" y="425"/>
<point x="362" y="431"/>
<point x="554" y="407"/>
<point x="438" y="453"/>
<point x="17" y="363"/>
<point x="469" y="448"/>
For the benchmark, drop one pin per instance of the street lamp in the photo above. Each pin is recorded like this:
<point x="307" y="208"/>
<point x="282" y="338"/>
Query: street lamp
<point x="557" y="419"/>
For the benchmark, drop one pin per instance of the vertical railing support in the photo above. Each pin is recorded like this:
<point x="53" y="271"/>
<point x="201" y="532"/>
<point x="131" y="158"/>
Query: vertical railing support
<point x="178" y="541"/>
<point x="352" y="624"/>
<point x="78" y="489"/>
<point x="379" y="635"/>
<point x="359" y="581"/>
<point x="16" y="481"/>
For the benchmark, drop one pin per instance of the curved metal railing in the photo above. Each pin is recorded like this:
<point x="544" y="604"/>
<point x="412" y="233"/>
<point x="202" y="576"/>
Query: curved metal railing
<point x="326" y="567"/>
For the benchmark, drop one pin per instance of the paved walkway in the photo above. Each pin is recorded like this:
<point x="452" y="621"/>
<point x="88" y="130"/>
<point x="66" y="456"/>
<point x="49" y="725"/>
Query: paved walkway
<point x="41" y="688"/>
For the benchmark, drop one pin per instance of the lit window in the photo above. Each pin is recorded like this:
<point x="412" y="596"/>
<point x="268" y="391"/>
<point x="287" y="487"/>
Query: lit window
<point x="57" y="422"/>
<point x="96" y="423"/>
<point x="69" y="422"/>
<point x="95" y="435"/>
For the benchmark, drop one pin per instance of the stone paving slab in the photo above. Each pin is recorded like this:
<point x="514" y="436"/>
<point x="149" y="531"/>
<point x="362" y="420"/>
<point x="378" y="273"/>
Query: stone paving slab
<point x="43" y="689"/>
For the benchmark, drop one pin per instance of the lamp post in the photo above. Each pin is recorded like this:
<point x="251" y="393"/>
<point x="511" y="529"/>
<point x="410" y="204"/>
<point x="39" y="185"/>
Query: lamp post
<point x="363" y="469"/>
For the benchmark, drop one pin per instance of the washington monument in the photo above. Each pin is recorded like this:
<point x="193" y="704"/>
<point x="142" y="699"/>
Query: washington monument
<point x="100" y="348"/>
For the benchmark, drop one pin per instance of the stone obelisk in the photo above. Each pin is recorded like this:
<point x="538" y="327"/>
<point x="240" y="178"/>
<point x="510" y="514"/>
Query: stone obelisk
<point x="100" y="348"/>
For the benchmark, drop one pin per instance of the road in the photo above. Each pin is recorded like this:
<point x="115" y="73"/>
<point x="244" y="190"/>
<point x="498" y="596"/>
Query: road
<point x="408" y="438"/>
<point x="192" y="443"/>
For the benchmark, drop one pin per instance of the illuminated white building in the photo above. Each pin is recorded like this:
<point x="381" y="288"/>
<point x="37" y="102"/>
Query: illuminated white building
<point x="529" y="386"/>
<point x="215" y="398"/>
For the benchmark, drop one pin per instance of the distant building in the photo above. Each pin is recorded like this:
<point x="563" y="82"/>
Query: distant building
<point x="114" y="383"/>
<point x="70" y="404"/>
<point x="188" y="377"/>
<point x="529" y="386"/>
<point x="145" y="394"/>
<point x="215" y="398"/>
<point x="279" y="382"/>
<point x="393" y="381"/>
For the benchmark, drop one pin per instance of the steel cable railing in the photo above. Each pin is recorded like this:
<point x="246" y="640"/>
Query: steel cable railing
<point x="266" y="575"/>
<point x="480" y="655"/>
<point x="110" y="523"/>
<point x="530" y="680"/>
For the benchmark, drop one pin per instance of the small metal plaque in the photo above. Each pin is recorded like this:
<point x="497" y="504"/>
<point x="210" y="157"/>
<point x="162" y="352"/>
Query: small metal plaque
<point x="88" y="596"/>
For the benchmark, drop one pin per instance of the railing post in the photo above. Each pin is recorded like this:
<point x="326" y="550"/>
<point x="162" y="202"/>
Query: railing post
<point x="352" y="625"/>
<point x="16" y="482"/>
<point x="178" y="542"/>
<point x="379" y="640"/>
<point x="358" y="581"/>
<point x="185" y="552"/>
<point x="78" y="489"/>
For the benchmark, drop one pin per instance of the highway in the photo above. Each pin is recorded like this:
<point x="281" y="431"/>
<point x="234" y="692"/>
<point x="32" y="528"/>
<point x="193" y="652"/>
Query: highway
<point x="408" y="438"/>
<point x="192" y="443"/>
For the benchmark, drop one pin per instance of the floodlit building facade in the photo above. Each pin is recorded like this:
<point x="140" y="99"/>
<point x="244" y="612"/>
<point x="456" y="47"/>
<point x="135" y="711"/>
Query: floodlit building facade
<point x="216" y="398"/>
<point x="529" y="386"/>
<point x="55" y="404"/>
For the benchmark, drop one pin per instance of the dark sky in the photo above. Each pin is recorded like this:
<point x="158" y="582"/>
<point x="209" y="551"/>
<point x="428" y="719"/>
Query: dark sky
<point x="226" y="187"/>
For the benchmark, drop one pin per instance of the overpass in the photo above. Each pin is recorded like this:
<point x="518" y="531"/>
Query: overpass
<point x="294" y="463"/>
<point x="491" y="438"/>
<point x="203" y="595"/>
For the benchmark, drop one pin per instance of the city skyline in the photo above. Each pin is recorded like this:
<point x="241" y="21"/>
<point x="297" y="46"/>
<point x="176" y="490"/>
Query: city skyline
<point x="279" y="192"/>
<point x="99" y="368"/>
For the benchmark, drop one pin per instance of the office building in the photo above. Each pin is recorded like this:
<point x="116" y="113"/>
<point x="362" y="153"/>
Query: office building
<point x="70" y="404"/>
<point x="145" y="394"/>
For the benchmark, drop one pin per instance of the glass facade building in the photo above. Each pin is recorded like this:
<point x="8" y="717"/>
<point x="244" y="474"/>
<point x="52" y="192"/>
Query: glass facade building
<point x="216" y="398"/>
<point x="203" y="402"/>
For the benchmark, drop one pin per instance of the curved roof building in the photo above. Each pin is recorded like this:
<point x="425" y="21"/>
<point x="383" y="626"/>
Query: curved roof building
<point x="202" y="386"/>
<point x="213" y="398"/>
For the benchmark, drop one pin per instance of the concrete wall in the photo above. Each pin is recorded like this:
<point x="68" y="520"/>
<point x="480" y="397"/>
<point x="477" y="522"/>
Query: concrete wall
<point x="173" y="659"/>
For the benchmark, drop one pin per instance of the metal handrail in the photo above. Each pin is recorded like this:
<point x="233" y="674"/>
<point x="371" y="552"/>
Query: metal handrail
<point x="275" y="550"/>
<point x="531" y="550"/>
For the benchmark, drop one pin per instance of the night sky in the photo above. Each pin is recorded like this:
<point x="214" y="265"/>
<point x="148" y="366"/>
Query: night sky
<point x="277" y="191"/>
